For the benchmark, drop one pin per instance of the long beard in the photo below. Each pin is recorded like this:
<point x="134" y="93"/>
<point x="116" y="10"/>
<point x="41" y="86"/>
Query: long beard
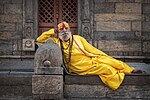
<point x="65" y="37"/>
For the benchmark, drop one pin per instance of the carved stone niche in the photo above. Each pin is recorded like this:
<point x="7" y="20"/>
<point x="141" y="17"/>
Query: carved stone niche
<point x="47" y="82"/>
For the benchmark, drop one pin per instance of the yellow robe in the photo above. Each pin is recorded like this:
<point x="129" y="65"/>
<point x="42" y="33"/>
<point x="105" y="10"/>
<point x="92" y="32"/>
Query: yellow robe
<point x="86" y="59"/>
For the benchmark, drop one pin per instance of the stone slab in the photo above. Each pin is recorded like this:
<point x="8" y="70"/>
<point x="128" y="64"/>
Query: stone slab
<point x="119" y="45"/>
<point x="128" y="8"/>
<point x="13" y="9"/>
<point x="146" y="8"/>
<point x="7" y="27"/>
<point x="15" y="91"/>
<point x="104" y="8"/>
<point x="117" y="17"/>
<point x="15" y="78"/>
<point x="130" y="79"/>
<point x="146" y="46"/>
<point x="1" y="8"/>
<point x="145" y="26"/>
<point x="17" y="65"/>
<point x="47" y="86"/>
<point x="84" y="91"/>
<point x="101" y="92"/>
<point x="50" y="71"/>
<point x="115" y="36"/>
<point x="113" y="26"/>
<point x="136" y="26"/>
<point x="10" y="18"/>
<point x="121" y="1"/>
<point x="131" y="91"/>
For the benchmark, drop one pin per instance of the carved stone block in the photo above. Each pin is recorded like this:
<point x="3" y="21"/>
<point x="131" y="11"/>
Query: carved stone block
<point x="48" y="55"/>
<point x="45" y="87"/>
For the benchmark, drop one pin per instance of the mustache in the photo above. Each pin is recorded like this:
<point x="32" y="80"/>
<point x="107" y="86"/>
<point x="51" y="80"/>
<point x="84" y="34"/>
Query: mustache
<point x="65" y="36"/>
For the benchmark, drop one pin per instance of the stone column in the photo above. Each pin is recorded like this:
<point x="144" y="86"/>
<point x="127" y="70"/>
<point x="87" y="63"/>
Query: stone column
<point x="47" y="83"/>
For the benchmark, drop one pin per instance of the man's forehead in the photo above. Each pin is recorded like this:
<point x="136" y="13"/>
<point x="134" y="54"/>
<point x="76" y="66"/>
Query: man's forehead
<point x="63" y="25"/>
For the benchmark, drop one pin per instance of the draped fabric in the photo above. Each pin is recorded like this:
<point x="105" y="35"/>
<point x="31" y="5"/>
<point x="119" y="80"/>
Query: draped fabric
<point x="86" y="59"/>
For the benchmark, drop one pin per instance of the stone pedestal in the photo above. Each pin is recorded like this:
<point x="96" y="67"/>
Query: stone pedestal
<point x="47" y="84"/>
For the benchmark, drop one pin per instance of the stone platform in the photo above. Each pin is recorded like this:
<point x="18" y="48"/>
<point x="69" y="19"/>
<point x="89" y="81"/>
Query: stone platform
<point x="17" y="85"/>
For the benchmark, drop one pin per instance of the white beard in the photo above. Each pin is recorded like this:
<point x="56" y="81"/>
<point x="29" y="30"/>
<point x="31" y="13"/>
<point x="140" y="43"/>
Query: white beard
<point x="64" y="36"/>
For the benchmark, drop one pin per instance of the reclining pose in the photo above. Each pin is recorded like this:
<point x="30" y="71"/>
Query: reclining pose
<point x="82" y="58"/>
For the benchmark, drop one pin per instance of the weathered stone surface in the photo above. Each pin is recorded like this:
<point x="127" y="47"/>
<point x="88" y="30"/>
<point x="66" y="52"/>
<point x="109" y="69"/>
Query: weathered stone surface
<point x="104" y="8"/>
<point x="145" y="26"/>
<point x="146" y="35"/>
<point x="16" y="64"/>
<point x="130" y="91"/>
<point x="15" y="78"/>
<point x="28" y="6"/>
<point x="5" y="47"/>
<point x="50" y="52"/>
<point x="6" y="35"/>
<point x="146" y="46"/>
<point x="139" y="79"/>
<point x="17" y="1"/>
<point x="107" y="45"/>
<point x="47" y="86"/>
<point x="146" y="8"/>
<point x="128" y="8"/>
<point x="10" y="19"/>
<point x="85" y="91"/>
<point x="136" y="26"/>
<point x="13" y="9"/>
<point x="120" y="1"/>
<point x="98" y="1"/>
<point x="113" y="26"/>
<point x="5" y="1"/>
<point x="116" y="36"/>
<point x="134" y="86"/>
<point x="50" y="70"/>
<point x="117" y="17"/>
<point x="138" y="1"/>
<point x="7" y="27"/>
<point x="147" y="18"/>
<point x="14" y="91"/>
<point x="145" y="1"/>
<point x="1" y="8"/>
<point x="84" y="80"/>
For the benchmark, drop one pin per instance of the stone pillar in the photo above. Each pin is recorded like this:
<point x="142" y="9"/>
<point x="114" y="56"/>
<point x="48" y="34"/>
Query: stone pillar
<point x="47" y="83"/>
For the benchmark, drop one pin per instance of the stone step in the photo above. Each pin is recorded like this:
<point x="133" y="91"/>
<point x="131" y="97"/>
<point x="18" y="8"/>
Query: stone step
<point x="142" y="66"/>
<point x="15" y="64"/>
<point x="15" y="85"/>
<point x="90" y="87"/>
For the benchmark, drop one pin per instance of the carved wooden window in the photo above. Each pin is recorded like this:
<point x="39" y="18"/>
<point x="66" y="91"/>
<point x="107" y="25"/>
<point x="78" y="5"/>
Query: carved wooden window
<point x="51" y="12"/>
<point x="46" y="11"/>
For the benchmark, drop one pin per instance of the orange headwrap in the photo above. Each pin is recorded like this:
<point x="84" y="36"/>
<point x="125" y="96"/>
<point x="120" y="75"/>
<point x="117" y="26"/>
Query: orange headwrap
<point x="63" y="25"/>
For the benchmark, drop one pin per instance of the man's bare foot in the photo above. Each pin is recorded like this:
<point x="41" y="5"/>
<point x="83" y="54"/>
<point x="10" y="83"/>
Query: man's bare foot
<point x="138" y="71"/>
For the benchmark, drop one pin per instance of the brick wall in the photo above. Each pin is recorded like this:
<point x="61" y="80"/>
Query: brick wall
<point x="122" y="26"/>
<point x="118" y="27"/>
<point x="10" y="26"/>
<point x="146" y="26"/>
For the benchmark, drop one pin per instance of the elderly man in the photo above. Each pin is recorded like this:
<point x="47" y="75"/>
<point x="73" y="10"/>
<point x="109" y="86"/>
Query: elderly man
<point x="82" y="58"/>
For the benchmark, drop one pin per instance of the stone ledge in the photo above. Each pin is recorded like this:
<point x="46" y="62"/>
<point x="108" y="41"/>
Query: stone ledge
<point x="132" y="79"/>
<point x="135" y="86"/>
<point x="16" y="78"/>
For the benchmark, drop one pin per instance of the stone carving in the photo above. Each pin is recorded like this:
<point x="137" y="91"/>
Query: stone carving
<point x="48" y="55"/>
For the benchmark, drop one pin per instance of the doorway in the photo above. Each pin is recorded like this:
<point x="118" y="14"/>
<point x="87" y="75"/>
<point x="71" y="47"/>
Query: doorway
<point x="51" y="12"/>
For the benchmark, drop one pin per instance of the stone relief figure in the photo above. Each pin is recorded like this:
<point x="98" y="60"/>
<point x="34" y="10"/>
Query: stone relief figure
<point x="47" y="55"/>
